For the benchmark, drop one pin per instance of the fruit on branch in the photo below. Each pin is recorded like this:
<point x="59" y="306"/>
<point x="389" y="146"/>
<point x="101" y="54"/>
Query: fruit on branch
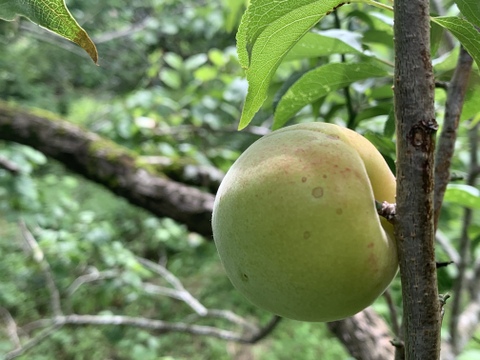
<point x="296" y="227"/>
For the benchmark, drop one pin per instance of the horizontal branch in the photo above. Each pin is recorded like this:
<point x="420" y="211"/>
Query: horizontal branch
<point x="49" y="326"/>
<point x="105" y="162"/>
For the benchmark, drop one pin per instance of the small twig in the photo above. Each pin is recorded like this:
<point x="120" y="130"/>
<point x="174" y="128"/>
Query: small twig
<point x="11" y="327"/>
<point x="233" y="318"/>
<point x="443" y="300"/>
<point x="399" y="349"/>
<point x="393" y="314"/>
<point x="44" y="334"/>
<point x="39" y="258"/>
<point x="94" y="275"/>
<point x="266" y="330"/>
<point x="123" y="32"/>
<point x="386" y="210"/>
<point x="446" y="246"/>
<point x="441" y="84"/>
<point x="441" y="264"/>
<point x="446" y="142"/>
<point x="456" y="177"/>
<point x="180" y="291"/>
<point x="464" y="251"/>
<point x="9" y="166"/>
<point x="158" y="326"/>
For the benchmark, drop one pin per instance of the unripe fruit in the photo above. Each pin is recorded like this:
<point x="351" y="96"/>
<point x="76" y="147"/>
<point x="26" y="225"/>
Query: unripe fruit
<point x="296" y="227"/>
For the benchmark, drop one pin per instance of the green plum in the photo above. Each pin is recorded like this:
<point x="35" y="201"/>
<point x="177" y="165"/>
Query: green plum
<point x="296" y="226"/>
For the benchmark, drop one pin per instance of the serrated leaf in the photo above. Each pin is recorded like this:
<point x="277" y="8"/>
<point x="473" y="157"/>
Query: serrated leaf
<point x="52" y="15"/>
<point x="470" y="9"/>
<point x="464" y="195"/>
<point x="268" y="30"/>
<point x="464" y="31"/>
<point x="319" y="82"/>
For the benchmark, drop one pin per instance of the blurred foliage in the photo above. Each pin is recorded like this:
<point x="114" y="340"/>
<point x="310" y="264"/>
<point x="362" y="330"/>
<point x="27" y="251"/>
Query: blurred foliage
<point x="170" y="88"/>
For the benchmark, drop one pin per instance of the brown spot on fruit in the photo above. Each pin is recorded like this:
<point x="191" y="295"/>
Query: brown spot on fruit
<point x="370" y="245"/>
<point x="306" y="235"/>
<point x="304" y="179"/>
<point x="317" y="192"/>
<point x="339" y="211"/>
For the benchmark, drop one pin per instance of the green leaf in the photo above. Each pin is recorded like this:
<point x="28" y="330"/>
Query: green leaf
<point x="464" y="195"/>
<point x="268" y="30"/>
<point x="52" y="15"/>
<point x="320" y="82"/>
<point x="470" y="9"/>
<point x="464" y="31"/>
<point x="324" y="43"/>
<point x="471" y="106"/>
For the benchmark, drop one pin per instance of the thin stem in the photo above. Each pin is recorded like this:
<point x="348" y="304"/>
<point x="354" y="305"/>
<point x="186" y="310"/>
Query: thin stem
<point x="464" y="251"/>
<point x="446" y="142"/>
<point x="377" y="4"/>
<point x="40" y="259"/>
<point x="393" y="314"/>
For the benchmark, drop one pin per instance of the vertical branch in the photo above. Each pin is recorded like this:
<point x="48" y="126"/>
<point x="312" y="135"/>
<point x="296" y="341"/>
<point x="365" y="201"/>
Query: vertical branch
<point x="446" y="142"/>
<point x="39" y="258"/>
<point x="464" y="251"/>
<point x="414" y="228"/>
<point x="10" y="327"/>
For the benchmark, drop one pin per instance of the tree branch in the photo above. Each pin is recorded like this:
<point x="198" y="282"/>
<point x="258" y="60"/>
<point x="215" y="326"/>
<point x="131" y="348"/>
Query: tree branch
<point x="9" y="166"/>
<point x="460" y="284"/>
<point x="414" y="228"/>
<point x="179" y="291"/>
<point x="44" y="334"/>
<point x="11" y="327"/>
<point x="446" y="142"/>
<point x="109" y="164"/>
<point x="365" y="335"/>
<point x="39" y="258"/>
<point x="445" y="244"/>
<point x="157" y="326"/>
<point x="248" y="333"/>
<point x="393" y="314"/>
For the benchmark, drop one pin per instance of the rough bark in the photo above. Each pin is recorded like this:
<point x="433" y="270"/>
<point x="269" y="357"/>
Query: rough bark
<point x="416" y="128"/>
<point x="109" y="164"/>
<point x="365" y="335"/>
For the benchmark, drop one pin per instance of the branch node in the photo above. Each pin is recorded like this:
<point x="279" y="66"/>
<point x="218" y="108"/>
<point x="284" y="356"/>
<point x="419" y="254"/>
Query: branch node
<point x="442" y="298"/>
<point x="386" y="210"/>
<point x="440" y="264"/>
<point x="399" y="344"/>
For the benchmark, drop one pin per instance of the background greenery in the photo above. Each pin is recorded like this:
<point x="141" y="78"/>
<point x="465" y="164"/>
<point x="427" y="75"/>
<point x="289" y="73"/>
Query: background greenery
<point x="170" y="88"/>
